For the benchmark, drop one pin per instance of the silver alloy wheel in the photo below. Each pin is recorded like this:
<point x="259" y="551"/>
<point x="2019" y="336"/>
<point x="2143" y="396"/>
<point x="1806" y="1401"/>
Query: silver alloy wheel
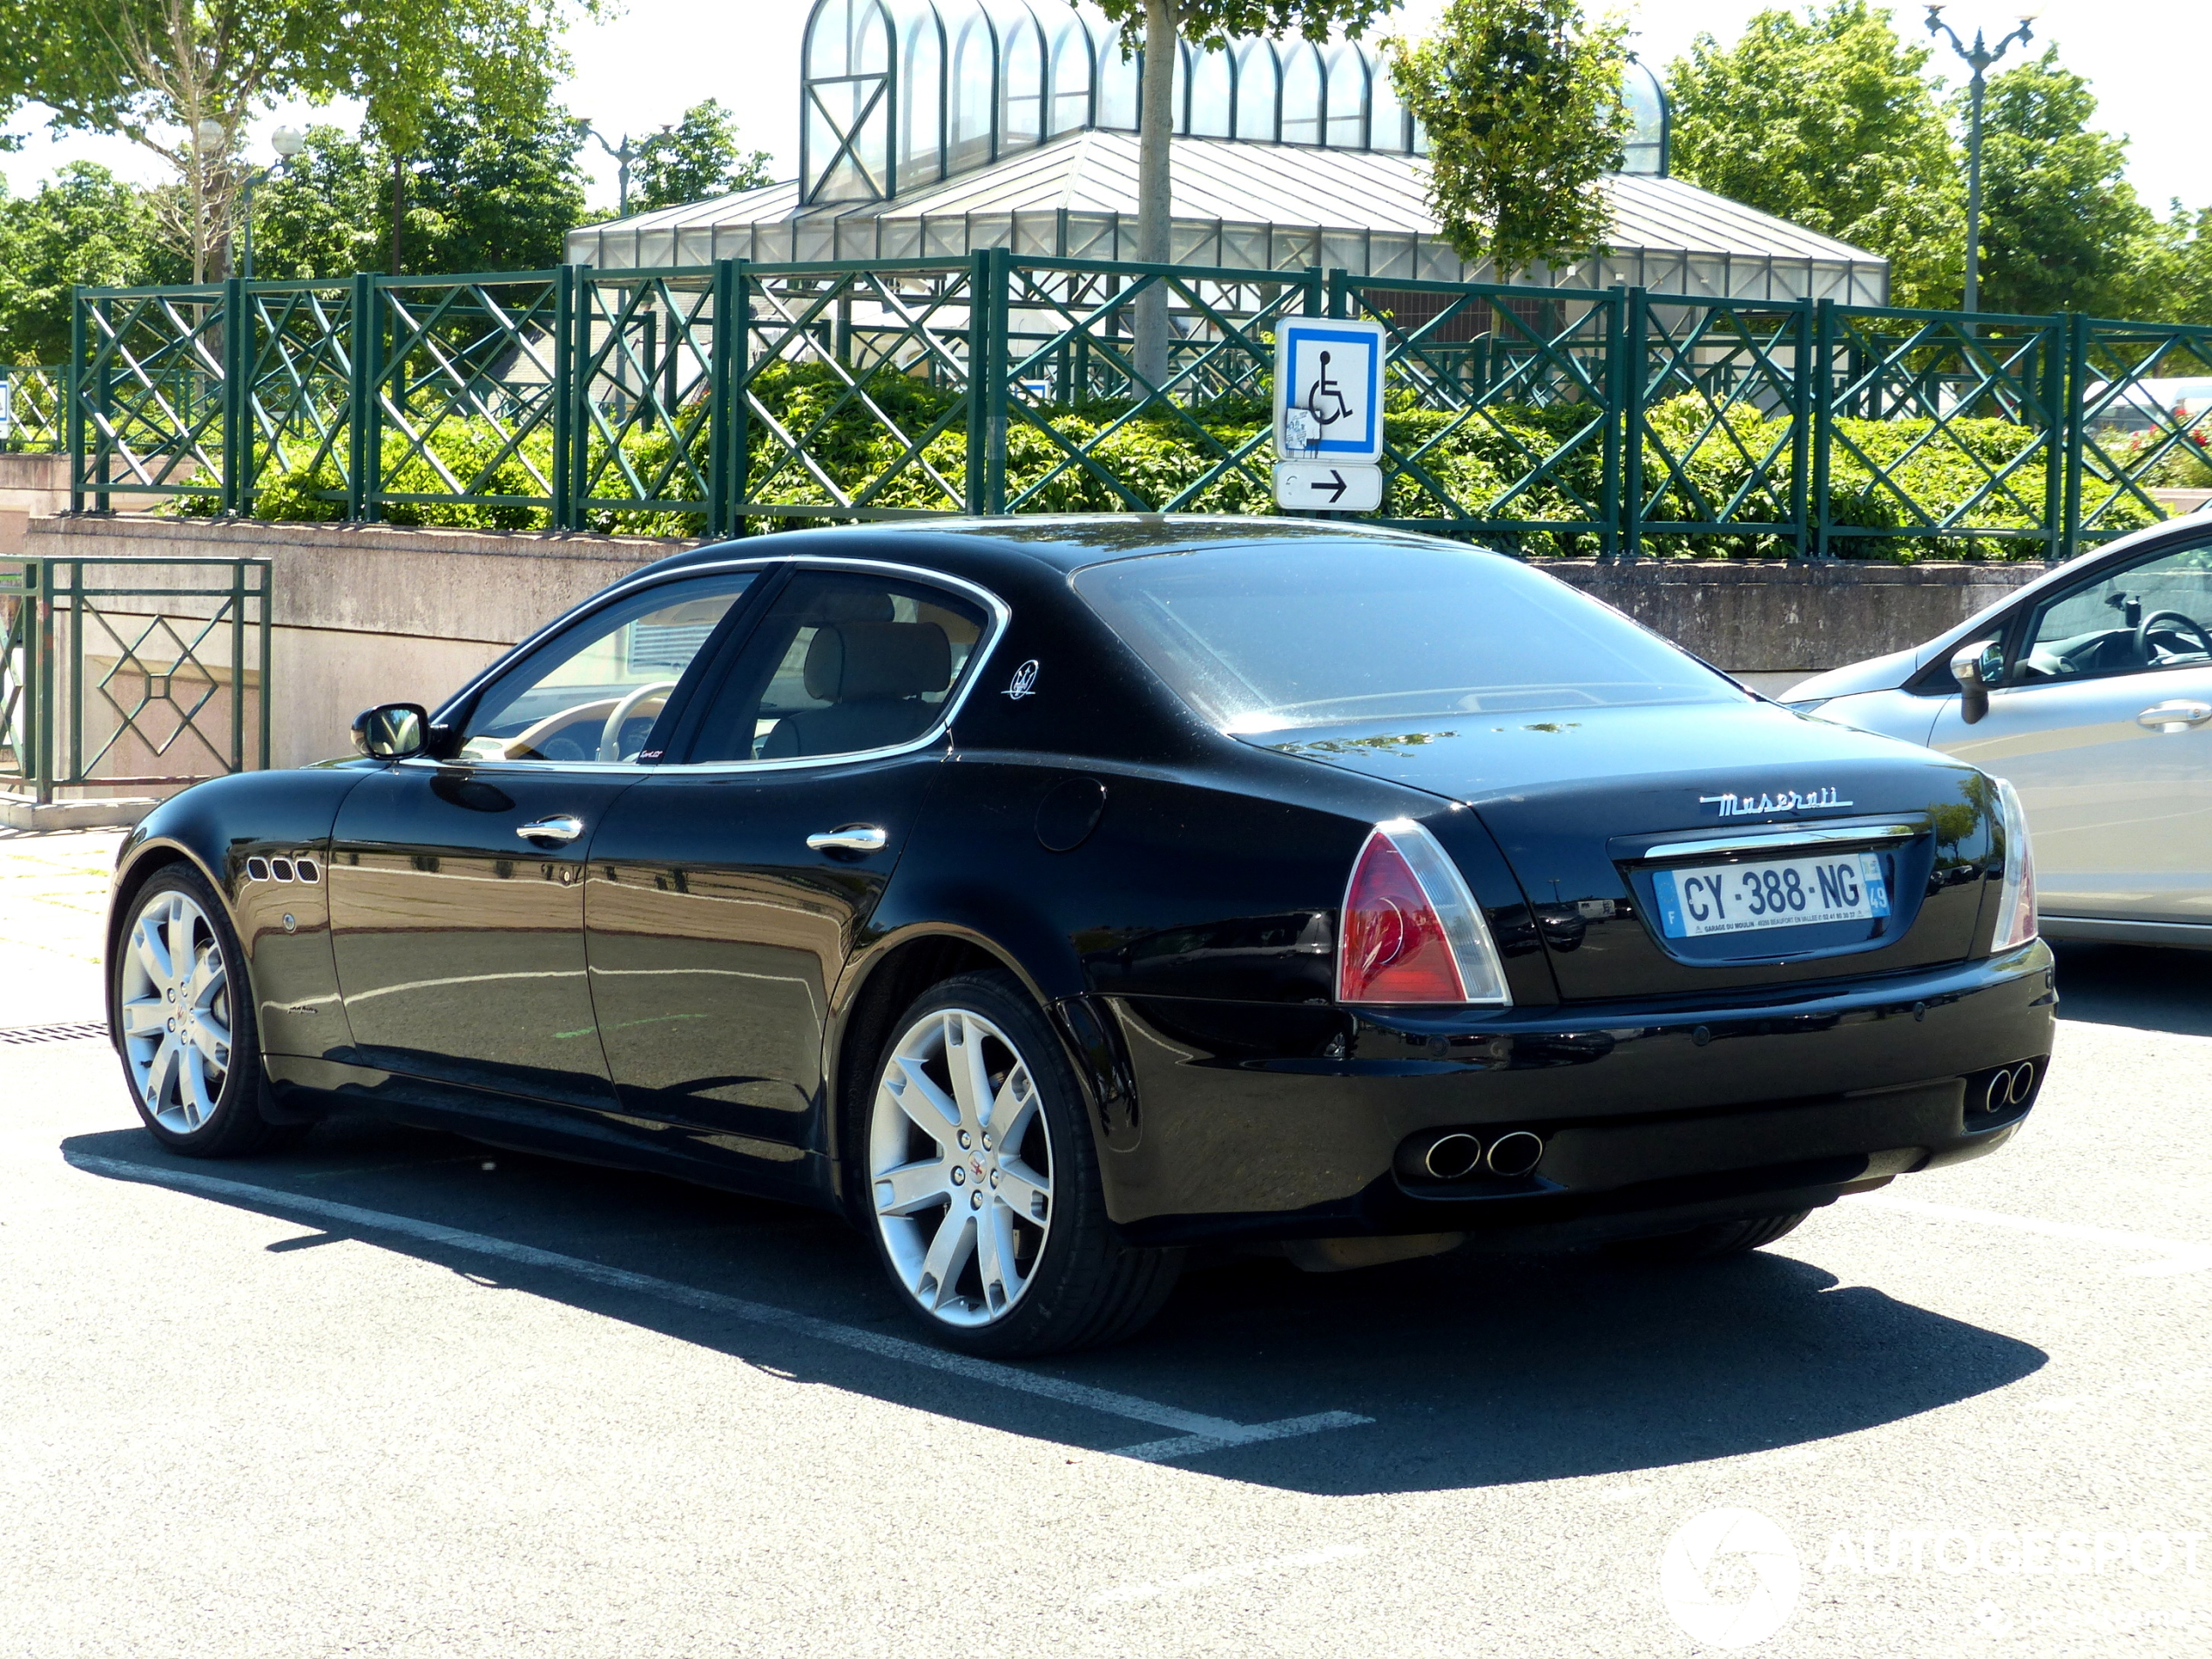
<point x="176" y="998"/>
<point x="959" y="1166"/>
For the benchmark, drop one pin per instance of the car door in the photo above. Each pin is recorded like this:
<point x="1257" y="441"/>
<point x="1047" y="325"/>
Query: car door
<point x="457" y="889"/>
<point x="2104" y="724"/>
<point x="726" y="891"/>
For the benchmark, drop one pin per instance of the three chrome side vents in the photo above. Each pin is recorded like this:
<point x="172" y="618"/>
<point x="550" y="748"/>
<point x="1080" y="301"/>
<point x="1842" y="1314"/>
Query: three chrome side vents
<point x="296" y="868"/>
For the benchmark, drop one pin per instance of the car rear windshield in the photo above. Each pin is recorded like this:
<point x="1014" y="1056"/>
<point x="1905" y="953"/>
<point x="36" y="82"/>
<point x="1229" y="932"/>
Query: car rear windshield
<point x="1278" y="637"/>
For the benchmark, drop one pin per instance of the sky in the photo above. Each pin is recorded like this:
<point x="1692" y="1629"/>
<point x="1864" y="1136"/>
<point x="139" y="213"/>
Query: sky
<point x="2144" y="59"/>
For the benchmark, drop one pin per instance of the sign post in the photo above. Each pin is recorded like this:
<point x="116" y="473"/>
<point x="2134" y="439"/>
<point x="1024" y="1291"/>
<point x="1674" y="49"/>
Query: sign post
<point x="1328" y="413"/>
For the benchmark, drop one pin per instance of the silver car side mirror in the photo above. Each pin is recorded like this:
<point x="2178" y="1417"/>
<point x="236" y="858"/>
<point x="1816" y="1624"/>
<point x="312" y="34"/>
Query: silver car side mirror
<point x="1976" y="667"/>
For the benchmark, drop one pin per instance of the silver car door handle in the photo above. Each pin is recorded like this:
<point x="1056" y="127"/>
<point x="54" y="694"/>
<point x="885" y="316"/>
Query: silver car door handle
<point x="562" y="826"/>
<point x="854" y="837"/>
<point x="2175" y="717"/>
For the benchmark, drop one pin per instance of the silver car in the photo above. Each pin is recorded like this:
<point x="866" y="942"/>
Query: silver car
<point x="2091" y="691"/>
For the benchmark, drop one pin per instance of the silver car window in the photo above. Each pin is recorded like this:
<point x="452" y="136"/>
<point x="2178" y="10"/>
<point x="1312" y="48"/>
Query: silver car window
<point x="2139" y="618"/>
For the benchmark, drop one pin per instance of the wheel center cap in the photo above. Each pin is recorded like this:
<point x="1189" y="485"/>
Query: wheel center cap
<point x="976" y="1164"/>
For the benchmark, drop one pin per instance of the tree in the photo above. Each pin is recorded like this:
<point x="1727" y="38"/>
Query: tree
<point x="145" y="69"/>
<point x="1827" y="120"/>
<point x="697" y="159"/>
<point x="2062" y="228"/>
<point x="83" y="226"/>
<point x="1165" y="25"/>
<point x="481" y="192"/>
<point x="1526" y="114"/>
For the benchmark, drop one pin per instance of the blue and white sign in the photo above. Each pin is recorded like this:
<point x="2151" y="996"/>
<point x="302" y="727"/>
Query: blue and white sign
<point x="1328" y="389"/>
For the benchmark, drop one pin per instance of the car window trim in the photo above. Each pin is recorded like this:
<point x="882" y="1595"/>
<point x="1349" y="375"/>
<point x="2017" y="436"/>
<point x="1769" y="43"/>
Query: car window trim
<point x="997" y="616"/>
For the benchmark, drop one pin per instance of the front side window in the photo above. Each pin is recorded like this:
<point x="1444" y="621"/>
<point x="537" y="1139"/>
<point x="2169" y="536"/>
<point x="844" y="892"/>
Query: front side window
<point x="844" y="664"/>
<point x="1301" y="635"/>
<point x="594" y="691"/>
<point x="2149" y="616"/>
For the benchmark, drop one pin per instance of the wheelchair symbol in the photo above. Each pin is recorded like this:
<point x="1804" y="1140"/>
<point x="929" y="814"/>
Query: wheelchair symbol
<point x="1325" y="388"/>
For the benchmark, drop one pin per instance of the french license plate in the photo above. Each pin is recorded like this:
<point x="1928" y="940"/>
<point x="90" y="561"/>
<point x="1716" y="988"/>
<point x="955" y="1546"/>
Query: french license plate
<point x="1785" y="893"/>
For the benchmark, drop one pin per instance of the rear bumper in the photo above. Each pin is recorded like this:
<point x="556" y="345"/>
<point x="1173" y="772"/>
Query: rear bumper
<point x="1255" y="1121"/>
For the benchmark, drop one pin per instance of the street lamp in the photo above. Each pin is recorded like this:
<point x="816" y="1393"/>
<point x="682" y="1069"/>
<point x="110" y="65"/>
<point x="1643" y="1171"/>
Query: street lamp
<point x="1981" y="56"/>
<point x="624" y="153"/>
<point x="287" y="142"/>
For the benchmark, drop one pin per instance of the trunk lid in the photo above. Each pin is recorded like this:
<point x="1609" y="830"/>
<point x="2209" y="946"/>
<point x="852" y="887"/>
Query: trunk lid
<point x="1594" y="808"/>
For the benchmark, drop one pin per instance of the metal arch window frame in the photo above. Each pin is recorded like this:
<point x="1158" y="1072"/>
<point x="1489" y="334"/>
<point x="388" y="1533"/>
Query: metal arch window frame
<point x="1075" y="33"/>
<point x="1241" y="51"/>
<point x="886" y="100"/>
<point x="1330" y="59"/>
<point x="1025" y="17"/>
<point x="998" y="613"/>
<point x="942" y="146"/>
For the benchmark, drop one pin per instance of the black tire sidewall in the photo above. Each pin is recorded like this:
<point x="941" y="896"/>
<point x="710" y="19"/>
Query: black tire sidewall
<point x="1081" y="1250"/>
<point x="236" y="1125"/>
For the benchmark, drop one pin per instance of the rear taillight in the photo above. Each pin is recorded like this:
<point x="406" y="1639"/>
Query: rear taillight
<point x="2016" y="922"/>
<point x="1411" y="931"/>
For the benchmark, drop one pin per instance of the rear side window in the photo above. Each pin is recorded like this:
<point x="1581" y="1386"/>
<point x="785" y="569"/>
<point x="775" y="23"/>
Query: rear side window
<point x="845" y="663"/>
<point x="1260" y="638"/>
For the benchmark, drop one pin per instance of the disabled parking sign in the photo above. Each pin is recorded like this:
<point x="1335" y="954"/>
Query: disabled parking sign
<point x="1328" y="389"/>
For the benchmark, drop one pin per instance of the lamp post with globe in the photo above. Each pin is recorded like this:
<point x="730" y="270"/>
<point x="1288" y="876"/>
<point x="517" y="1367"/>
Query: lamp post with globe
<point x="287" y="142"/>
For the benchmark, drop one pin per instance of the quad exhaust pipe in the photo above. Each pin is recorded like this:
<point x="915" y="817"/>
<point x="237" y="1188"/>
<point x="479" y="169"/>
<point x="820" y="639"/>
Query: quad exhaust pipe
<point x="2007" y="1086"/>
<point x="1458" y="1156"/>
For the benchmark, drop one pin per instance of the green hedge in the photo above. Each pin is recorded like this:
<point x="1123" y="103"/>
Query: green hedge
<point x="1470" y="463"/>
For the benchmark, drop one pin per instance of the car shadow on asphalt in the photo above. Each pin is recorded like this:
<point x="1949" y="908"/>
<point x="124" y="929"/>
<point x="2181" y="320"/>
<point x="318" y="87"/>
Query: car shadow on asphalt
<point x="2136" y="986"/>
<point x="1477" y="1369"/>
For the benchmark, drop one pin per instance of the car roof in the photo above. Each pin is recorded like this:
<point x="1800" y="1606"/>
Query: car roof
<point x="1061" y="543"/>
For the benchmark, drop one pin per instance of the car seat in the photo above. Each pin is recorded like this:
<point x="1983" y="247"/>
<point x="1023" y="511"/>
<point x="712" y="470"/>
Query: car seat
<point x="872" y="675"/>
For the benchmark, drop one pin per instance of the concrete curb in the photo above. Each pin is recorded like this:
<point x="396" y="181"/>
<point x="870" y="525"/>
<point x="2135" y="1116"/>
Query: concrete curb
<point x="113" y="811"/>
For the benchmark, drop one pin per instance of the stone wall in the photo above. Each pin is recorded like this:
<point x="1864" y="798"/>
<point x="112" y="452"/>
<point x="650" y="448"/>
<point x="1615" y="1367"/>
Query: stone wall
<point x="368" y="614"/>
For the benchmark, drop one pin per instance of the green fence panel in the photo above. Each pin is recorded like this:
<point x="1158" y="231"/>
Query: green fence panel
<point x="1945" y="434"/>
<point x="850" y="388"/>
<point x="2139" y="430"/>
<point x="132" y="672"/>
<point x="1503" y="409"/>
<point x="32" y="418"/>
<point x="711" y="400"/>
<point x="151" y="402"/>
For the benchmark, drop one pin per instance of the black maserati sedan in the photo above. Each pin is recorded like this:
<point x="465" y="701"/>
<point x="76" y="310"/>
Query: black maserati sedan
<point x="1053" y="896"/>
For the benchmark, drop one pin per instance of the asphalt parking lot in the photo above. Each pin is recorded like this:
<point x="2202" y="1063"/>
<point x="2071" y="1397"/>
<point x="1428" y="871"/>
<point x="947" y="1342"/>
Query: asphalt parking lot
<point x="393" y="1392"/>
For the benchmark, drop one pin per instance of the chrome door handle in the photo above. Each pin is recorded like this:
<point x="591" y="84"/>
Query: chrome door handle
<point x="2174" y="716"/>
<point x="854" y="837"/>
<point x="562" y="826"/>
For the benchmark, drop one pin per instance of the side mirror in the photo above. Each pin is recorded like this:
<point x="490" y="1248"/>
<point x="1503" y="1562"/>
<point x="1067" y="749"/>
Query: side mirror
<point x="391" y="731"/>
<point x="1976" y="667"/>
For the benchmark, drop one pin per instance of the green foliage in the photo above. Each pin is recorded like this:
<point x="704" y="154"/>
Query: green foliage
<point x="697" y="159"/>
<point x="1212" y="22"/>
<point x="85" y="226"/>
<point x="324" y="215"/>
<point x="1456" y="466"/>
<point x="2062" y="228"/>
<point x="1523" y="103"/>
<point x="1827" y="120"/>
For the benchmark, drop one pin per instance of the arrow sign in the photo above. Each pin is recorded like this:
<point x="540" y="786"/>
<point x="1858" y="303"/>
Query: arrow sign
<point x="1339" y="487"/>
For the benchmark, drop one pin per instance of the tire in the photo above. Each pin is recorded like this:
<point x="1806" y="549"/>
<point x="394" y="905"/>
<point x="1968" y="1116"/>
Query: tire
<point x="1000" y="1248"/>
<point x="1708" y="1243"/>
<point x="190" y="1051"/>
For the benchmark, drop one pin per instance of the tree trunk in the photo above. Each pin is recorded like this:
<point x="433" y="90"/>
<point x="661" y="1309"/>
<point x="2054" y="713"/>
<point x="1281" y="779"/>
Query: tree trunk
<point x="399" y="211"/>
<point x="1154" y="127"/>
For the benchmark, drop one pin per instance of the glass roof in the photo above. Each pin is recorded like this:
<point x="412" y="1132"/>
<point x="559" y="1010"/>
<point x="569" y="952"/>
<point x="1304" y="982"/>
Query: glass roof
<point x="899" y="94"/>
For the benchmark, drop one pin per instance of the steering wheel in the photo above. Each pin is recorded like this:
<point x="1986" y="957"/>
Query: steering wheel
<point x="2188" y="624"/>
<point x="610" y="733"/>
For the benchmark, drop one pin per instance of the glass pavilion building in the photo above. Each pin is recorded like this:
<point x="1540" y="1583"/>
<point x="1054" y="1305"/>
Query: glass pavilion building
<point x="932" y="127"/>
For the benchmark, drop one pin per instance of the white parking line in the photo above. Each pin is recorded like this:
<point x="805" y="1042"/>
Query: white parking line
<point x="1196" y="1431"/>
<point x="2177" y="1256"/>
<point x="1222" y="1574"/>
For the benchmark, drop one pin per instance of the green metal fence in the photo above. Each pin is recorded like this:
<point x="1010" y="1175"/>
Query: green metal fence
<point x="132" y="672"/>
<point x="30" y="408"/>
<point x="709" y="401"/>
